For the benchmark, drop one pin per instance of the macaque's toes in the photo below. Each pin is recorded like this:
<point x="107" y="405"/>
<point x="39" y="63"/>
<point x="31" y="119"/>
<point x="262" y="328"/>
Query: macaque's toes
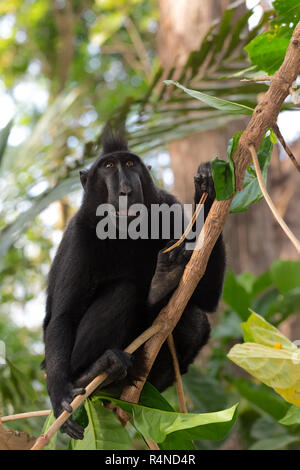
<point x="66" y="406"/>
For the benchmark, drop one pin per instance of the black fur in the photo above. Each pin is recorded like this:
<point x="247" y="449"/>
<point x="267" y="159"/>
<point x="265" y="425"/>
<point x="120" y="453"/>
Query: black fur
<point x="113" y="140"/>
<point x="103" y="293"/>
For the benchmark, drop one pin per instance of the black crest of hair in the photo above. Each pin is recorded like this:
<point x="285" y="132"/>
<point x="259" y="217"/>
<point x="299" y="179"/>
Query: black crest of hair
<point x="113" y="140"/>
<point x="103" y="293"/>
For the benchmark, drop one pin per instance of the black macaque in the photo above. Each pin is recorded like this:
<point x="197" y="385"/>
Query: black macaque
<point x="103" y="293"/>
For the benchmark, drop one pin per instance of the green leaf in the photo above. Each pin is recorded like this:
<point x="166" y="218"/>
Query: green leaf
<point x="228" y="328"/>
<point x="262" y="397"/>
<point x="236" y="296"/>
<point x="277" y="368"/>
<point x="104" y="431"/>
<point x="217" y="103"/>
<point x="265" y="427"/>
<point x="273" y="137"/>
<point x="204" y="392"/>
<point x="80" y="416"/>
<point x="272" y="359"/>
<point x="223" y="172"/>
<point x="21" y="381"/>
<point x="156" y="425"/>
<point x="257" y="330"/>
<point x="267" y="50"/>
<point x="291" y="417"/>
<point x="246" y="280"/>
<point x="285" y="274"/>
<point x="288" y="11"/>
<point x="251" y="192"/>
<point x="264" y="302"/>
<point x="261" y="283"/>
<point x="233" y="143"/>
<point x="275" y="443"/>
<point x="177" y="441"/>
<point x="151" y="398"/>
<point x="223" y="176"/>
<point x="284" y="305"/>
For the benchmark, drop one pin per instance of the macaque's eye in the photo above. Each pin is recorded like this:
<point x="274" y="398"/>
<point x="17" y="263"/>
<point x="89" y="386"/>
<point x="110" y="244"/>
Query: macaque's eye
<point x="109" y="165"/>
<point x="129" y="163"/>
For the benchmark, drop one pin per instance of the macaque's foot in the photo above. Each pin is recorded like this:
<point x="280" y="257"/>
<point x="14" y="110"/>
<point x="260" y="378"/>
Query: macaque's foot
<point x="114" y="362"/>
<point x="66" y="405"/>
<point x="73" y="429"/>
<point x="169" y="269"/>
<point x="177" y="256"/>
<point x="204" y="182"/>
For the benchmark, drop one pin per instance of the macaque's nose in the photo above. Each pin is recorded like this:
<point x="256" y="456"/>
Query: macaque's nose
<point x="125" y="189"/>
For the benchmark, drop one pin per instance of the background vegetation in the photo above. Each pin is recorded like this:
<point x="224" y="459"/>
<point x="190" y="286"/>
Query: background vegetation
<point x="66" y="68"/>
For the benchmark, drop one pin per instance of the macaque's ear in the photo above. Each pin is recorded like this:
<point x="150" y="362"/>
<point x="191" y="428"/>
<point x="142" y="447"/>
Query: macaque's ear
<point x="83" y="177"/>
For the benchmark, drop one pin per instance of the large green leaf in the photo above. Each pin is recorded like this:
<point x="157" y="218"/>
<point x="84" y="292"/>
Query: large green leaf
<point x="151" y="398"/>
<point x="268" y="49"/>
<point x="270" y="357"/>
<point x="257" y="330"/>
<point x="104" y="431"/>
<point x="156" y="424"/>
<point x="279" y="369"/>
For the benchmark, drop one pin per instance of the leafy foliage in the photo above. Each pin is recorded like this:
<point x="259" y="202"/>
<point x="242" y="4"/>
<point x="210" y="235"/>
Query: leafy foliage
<point x="157" y="425"/>
<point x="264" y="294"/>
<point x="269" y="356"/>
<point x="267" y="50"/>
